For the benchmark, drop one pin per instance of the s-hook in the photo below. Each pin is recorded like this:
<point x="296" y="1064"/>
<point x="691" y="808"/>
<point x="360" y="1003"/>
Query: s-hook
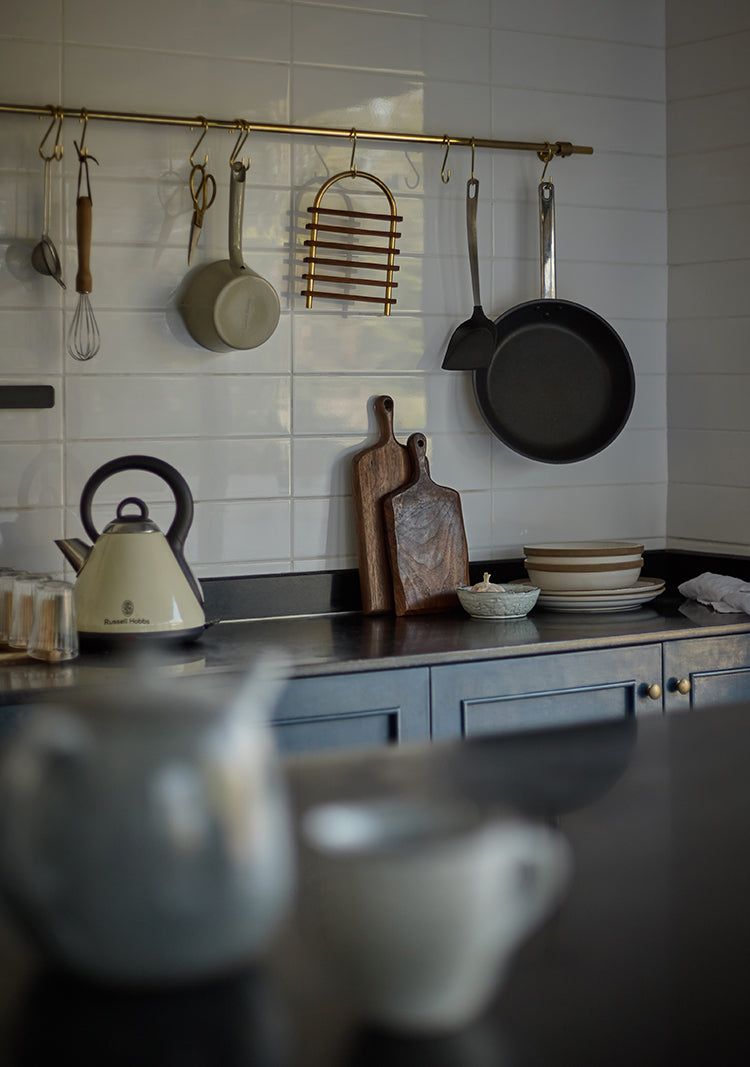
<point x="204" y="124"/>
<point x="202" y="192"/>
<point x="244" y="128"/>
<point x="58" y="149"/>
<point x="546" y="155"/>
<point x="353" y="139"/>
<point x="84" y="157"/>
<point x="445" y="174"/>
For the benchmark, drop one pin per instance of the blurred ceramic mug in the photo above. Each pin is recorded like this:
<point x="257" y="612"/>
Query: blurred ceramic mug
<point x="422" y="905"/>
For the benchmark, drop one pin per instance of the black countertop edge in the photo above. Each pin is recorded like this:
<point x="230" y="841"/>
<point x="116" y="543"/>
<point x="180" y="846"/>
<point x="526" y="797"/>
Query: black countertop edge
<point x="343" y="643"/>
<point x="269" y="596"/>
<point x="347" y="641"/>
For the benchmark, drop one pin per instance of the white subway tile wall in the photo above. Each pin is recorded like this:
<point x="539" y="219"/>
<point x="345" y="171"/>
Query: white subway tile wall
<point x="265" y="437"/>
<point x="708" y="89"/>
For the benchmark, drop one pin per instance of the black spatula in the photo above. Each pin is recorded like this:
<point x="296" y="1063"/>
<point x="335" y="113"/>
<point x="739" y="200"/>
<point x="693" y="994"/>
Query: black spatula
<point x="472" y="344"/>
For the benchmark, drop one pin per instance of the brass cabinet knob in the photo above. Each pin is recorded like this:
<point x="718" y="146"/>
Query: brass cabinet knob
<point x="682" y="685"/>
<point x="653" y="691"/>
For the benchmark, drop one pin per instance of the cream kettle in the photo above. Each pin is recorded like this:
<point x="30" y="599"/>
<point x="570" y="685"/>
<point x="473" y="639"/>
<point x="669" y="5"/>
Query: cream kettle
<point x="133" y="581"/>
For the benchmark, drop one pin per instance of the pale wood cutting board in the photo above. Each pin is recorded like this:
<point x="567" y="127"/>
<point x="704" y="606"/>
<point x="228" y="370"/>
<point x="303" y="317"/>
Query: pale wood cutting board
<point x="376" y="471"/>
<point x="426" y="539"/>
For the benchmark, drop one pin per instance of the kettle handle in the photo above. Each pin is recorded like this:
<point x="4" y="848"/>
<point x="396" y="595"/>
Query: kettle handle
<point x="183" y="516"/>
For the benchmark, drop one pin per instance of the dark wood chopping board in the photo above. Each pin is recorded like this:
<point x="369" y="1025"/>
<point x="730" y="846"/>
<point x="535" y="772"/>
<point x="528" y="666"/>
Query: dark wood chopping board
<point x="376" y="471"/>
<point x="426" y="539"/>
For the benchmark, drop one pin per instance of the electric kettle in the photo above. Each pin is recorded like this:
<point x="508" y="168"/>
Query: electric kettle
<point x="133" y="582"/>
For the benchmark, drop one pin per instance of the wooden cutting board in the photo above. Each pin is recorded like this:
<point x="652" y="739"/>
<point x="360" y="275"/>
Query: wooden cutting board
<point x="426" y="539"/>
<point x="13" y="657"/>
<point x="376" y="471"/>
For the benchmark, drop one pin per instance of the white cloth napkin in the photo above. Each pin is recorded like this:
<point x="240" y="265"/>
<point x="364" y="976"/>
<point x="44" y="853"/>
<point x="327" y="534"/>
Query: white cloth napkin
<point x="719" y="591"/>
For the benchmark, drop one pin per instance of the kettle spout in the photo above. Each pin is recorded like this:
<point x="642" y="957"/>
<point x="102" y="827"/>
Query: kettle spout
<point x="75" y="551"/>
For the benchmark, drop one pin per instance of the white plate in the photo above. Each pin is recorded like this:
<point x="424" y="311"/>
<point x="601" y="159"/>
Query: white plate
<point x="633" y="596"/>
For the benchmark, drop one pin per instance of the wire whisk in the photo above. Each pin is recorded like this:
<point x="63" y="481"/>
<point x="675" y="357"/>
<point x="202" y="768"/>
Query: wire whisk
<point x="83" y="340"/>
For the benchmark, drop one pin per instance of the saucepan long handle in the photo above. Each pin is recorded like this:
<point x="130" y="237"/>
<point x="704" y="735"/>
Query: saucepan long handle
<point x="236" y="202"/>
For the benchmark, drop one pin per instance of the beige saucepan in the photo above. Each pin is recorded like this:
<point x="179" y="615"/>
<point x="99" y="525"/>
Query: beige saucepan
<point x="227" y="305"/>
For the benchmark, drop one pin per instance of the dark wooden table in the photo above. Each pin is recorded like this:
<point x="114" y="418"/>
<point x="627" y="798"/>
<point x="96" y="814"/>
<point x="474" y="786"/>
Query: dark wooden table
<point x="646" y="963"/>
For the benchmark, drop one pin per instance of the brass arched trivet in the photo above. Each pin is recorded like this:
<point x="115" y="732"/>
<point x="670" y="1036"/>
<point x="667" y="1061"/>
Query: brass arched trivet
<point x="381" y="242"/>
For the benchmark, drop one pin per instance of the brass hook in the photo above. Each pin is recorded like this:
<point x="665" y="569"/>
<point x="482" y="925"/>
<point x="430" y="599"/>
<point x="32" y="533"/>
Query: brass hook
<point x="445" y="174"/>
<point x="472" y="160"/>
<point x="353" y="139"/>
<point x="546" y="155"/>
<point x="57" y="151"/>
<point x="244" y="128"/>
<point x="84" y="118"/>
<point x="83" y="155"/>
<point x="204" y="122"/>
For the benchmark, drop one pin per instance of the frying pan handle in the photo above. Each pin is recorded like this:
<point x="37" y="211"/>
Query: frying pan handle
<point x="547" y="238"/>
<point x="472" y="196"/>
<point x="236" y="202"/>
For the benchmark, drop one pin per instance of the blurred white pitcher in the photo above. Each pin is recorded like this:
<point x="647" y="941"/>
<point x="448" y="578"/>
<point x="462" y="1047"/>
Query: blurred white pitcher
<point x="422" y="905"/>
<point x="144" y="828"/>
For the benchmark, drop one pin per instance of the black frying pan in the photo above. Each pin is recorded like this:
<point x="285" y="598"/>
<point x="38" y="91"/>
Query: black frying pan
<point x="560" y="385"/>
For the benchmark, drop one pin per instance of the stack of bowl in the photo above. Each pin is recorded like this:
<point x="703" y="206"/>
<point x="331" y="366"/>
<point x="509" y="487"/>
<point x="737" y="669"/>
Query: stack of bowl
<point x="564" y="566"/>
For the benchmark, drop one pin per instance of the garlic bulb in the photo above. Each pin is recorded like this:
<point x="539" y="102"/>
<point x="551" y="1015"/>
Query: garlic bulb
<point x="486" y="586"/>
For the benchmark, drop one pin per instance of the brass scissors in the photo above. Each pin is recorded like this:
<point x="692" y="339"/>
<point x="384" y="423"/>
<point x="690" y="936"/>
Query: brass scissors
<point x="203" y="194"/>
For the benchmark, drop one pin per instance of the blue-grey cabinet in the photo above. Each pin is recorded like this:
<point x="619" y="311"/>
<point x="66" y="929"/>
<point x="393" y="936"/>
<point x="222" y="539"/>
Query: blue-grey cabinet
<point x="379" y="707"/>
<point x="542" y="691"/>
<point x="354" y="710"/>
<point x="701" y="672"/>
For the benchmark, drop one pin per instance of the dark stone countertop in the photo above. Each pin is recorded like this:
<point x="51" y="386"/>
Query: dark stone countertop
<point x="348" y="642"/>
<point x="644" y="963"/>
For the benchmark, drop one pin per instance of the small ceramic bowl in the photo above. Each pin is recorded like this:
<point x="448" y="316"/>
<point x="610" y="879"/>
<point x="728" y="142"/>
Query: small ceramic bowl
<point x="512" y="603"/>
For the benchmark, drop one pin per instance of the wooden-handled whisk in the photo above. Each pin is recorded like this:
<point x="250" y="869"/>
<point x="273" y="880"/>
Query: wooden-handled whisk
<point x="84" y="339"/>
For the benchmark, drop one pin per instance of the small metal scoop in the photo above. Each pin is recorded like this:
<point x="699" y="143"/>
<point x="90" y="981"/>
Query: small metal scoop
<point x="44" y="257"/>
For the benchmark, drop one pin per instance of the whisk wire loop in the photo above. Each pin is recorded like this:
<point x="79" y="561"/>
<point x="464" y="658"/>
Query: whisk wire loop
<point x="84" y="339"/>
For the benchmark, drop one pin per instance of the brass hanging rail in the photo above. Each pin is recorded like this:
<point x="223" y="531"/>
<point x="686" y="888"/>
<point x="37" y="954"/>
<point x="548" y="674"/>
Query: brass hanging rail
<point x="557" y="148"/>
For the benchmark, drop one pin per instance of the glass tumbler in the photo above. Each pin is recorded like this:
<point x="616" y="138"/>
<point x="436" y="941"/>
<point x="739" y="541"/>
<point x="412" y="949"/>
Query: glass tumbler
<point x="22" y="612"/>
<point x="7" y="577"/>
<point x="53" y="635"/>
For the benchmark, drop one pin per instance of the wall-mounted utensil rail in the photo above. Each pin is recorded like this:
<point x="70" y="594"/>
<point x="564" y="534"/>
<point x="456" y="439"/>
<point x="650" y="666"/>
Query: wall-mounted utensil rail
<point x="557" y="148"/>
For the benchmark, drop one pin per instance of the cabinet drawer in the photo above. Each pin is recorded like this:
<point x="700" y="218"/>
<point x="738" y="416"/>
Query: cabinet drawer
<point x="354" y="710"/>
<point x="707" y="671"/>
<point x="538" y="692"/>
